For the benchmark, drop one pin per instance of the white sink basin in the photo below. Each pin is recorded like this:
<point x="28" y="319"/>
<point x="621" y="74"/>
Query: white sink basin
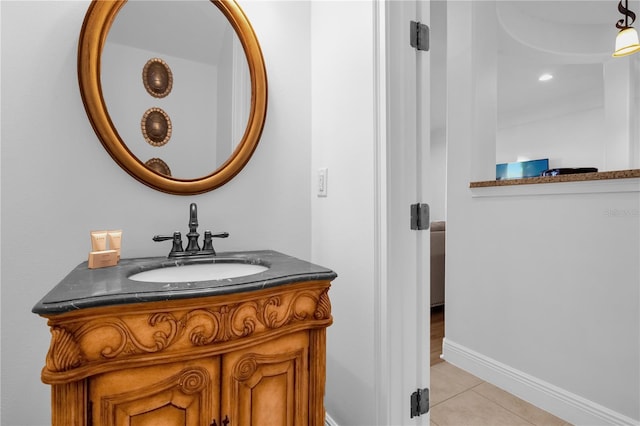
<point x="198" y="272"/>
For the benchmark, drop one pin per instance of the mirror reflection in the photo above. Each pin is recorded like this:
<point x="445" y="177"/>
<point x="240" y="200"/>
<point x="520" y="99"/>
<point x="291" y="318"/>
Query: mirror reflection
<point x="208" y="102"/>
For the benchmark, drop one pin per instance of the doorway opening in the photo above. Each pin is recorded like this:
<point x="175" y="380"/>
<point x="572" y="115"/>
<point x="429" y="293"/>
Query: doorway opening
<point x="437" y="334"/>
<point x="438" y="174"/>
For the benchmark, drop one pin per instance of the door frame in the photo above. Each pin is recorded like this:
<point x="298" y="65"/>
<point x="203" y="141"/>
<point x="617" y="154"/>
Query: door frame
<point x="401" y="280"/>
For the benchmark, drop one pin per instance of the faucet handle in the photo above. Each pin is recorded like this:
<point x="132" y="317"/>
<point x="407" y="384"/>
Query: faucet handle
<point x="177" y="241"/>
<point x="208" y="243"/>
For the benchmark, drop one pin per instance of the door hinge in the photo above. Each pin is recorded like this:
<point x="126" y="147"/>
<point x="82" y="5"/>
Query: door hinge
<point x="419" y="35"/>
<point x="419" y="402"/>
<point x="419" y="216"/>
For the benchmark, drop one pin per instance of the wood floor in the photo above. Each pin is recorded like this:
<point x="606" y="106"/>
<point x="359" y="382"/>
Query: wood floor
<point x="437" y="333"/>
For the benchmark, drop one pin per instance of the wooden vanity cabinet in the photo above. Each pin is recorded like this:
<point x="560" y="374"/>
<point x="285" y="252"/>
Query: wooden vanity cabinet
<point x="255" y="358"/>
<point x="180" y="393"/>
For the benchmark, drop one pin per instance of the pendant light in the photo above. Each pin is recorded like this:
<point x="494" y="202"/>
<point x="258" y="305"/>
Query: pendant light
<point x="627" y="39"/>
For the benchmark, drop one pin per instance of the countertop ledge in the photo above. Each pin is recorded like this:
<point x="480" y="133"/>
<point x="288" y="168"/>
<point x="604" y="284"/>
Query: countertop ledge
<point x="87" y="288"/>
<point x="579" y="177"/>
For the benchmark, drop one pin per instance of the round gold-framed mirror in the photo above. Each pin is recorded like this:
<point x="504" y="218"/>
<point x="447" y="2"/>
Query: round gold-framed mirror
<point x="98" y="21"/>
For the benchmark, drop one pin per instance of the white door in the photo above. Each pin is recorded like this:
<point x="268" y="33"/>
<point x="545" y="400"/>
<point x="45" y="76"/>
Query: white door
<point x="407" y="251"/>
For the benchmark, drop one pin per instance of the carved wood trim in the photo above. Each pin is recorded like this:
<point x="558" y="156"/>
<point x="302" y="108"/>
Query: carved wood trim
<point x="253" y="369"/>
<point x="317" y="375"/>
<point x="69" y="404"/>
<point x="103" y="339"/>
<point x="64" y="352"/>
<point x="183" y="390"/>
<point x="323" y="310"/>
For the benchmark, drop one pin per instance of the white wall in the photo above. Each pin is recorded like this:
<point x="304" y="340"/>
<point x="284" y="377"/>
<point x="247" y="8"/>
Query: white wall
<point x="438" y="55"/>
<point x="556" y="138"/>
<point x="343" y="222"/>
<point x="438" y="176"/>
<point x="58" y="182"/>
<point x="542" y="285"/>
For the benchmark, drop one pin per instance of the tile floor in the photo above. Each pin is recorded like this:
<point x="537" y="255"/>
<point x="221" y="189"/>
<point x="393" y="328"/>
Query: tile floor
<point x="460" y="399"/>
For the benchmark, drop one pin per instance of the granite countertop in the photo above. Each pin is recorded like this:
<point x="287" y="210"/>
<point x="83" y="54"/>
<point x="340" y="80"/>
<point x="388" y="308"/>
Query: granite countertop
<point x="579" y="177"/>
<point x="88" y="288"/>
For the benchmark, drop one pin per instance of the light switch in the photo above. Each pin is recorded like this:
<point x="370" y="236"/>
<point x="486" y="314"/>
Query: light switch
<point x="322" y="182"/>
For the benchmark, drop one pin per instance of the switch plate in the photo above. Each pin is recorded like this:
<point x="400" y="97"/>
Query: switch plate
<point x="322" y="182"/>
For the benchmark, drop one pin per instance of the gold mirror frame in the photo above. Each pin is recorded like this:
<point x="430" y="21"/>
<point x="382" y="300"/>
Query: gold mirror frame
<point x="97" y="22"/>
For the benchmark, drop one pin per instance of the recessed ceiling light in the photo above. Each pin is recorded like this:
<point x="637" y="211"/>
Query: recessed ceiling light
<point x="545" y="77"/>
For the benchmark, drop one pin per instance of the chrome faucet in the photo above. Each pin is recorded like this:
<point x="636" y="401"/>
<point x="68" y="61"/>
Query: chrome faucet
<point x="193" y="248"/>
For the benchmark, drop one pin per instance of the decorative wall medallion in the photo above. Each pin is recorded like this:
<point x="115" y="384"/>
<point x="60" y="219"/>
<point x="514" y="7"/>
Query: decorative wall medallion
<point x="157" y="78"/>
<point x="156" y="127"/>
<point x="158" y="166"/>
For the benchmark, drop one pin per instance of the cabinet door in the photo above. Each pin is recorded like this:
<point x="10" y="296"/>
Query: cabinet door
<point x="177" y="394"/>
<point x="268" y="384"/>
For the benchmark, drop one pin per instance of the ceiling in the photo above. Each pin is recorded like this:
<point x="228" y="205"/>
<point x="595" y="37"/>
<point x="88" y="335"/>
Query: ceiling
<point x="569" y="39"/>
<point x="191" y="29"/>
<point x="581" y="12"/>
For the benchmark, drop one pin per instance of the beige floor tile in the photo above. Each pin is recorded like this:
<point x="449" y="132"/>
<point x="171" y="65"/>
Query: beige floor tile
<point x="448" y="381"/>
<point x="472" y="409"/>
<point x="516" y="405"/>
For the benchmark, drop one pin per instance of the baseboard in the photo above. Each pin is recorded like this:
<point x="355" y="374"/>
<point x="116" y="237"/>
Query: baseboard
<point x="328" y="421"/>
<point x="560" y="402"/>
